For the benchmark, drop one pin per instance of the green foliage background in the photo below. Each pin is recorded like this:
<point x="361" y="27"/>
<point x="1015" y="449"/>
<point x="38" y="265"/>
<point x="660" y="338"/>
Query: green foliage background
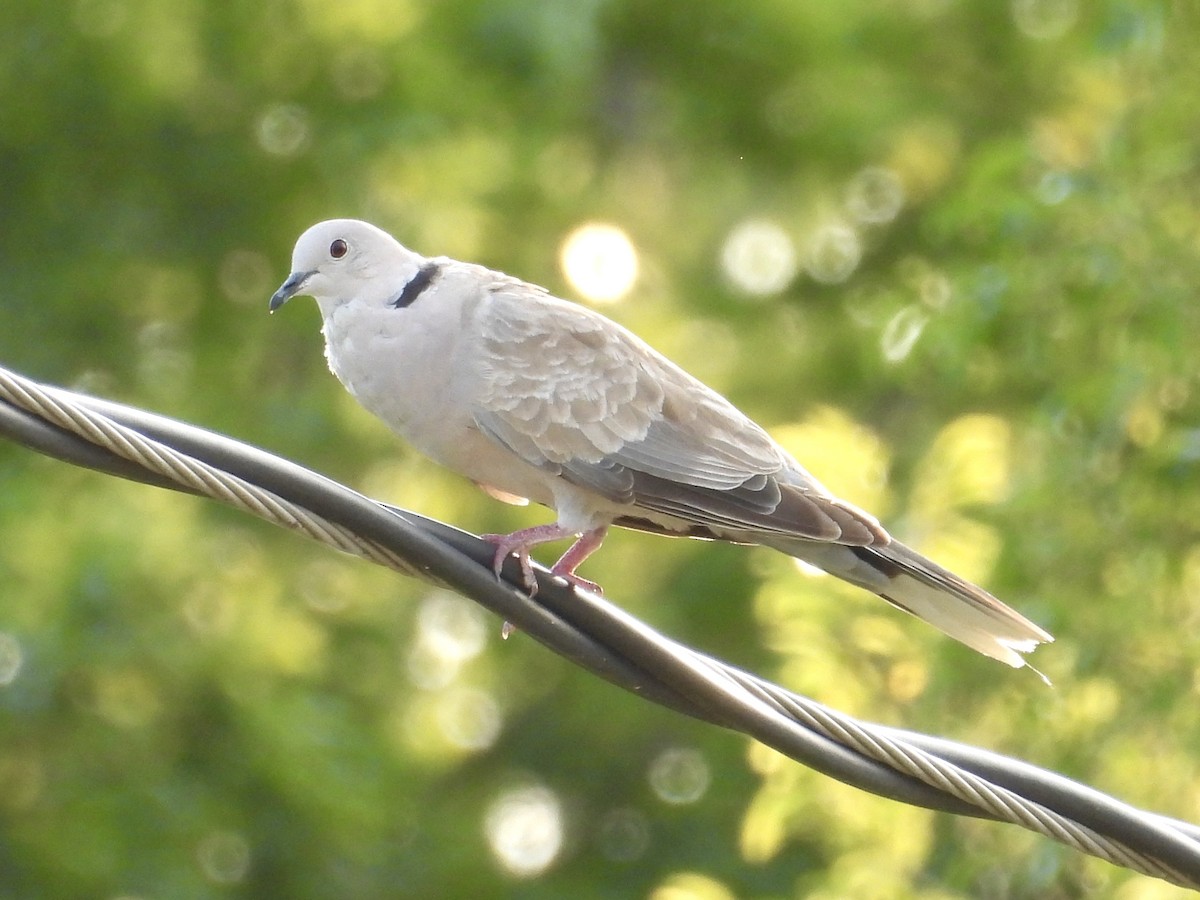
<point x="195" y="705"/>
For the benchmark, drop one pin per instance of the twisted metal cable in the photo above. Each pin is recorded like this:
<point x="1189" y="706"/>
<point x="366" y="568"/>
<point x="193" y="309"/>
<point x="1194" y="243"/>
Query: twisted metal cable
<point x="191" y="474"/>
<point x="1002" y="803"/>
<point x="584" y="628"/>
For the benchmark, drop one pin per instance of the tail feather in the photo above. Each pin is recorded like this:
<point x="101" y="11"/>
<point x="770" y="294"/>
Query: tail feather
<point x="917" y="585"/>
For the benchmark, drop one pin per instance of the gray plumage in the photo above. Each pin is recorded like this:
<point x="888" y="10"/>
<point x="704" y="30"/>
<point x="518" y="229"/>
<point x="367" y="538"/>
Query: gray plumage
<point x="534" y="397"/>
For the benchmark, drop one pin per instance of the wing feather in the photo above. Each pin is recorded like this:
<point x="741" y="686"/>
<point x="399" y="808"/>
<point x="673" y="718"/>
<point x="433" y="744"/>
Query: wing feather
<point x="573" y="393"/>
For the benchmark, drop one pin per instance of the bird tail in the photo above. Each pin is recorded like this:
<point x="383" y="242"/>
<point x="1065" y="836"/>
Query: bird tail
<point x="917" y="585"/>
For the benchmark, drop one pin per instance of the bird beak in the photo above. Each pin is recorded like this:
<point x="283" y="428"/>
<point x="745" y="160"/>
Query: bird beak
<point x="289" y="289"/>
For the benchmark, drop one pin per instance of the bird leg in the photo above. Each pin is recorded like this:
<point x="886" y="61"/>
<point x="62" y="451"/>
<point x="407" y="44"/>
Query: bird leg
<point x="589" y="542"/>
<point x="521" y="542"/>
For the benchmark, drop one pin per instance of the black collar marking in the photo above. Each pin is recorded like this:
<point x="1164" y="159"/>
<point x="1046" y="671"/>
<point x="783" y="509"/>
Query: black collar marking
<point x="416" y="285"/>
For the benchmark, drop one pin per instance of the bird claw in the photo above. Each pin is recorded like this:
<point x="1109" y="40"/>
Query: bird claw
<point x="505" y="547"/>
<point x="519" y="543"/>
<point x="578" y="583"/>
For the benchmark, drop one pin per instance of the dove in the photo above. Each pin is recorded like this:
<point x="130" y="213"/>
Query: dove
<point x="534" y="398"/>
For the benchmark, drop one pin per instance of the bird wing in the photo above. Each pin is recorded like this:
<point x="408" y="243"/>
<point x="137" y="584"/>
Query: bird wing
<point x="573" y="393"/>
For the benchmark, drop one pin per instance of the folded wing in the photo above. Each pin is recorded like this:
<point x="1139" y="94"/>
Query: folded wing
<point x="572" y="392"/>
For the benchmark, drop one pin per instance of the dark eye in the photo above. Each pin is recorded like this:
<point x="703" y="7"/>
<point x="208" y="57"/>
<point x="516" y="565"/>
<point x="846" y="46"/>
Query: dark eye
<point x="338" y="249"/>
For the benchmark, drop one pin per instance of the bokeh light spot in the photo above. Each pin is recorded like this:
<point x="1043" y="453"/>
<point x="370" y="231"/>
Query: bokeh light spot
<point x="359" y="72"/>
<point x="907" y="679"/>
<point x="935" y="290"/>
<point x="833" y="253"/>
<point x="679" y="775"/>
<point x="450" y="631"/>
<point x="968" y="463"/>
<point x="1045" y="20"/>
<point x="1144" y="423"/>
<point x="902" y="332"/>
<point x="470" y="718"/>
<point x="284" y="130"/>
<point x="11" y="658"/>
<point x="524" y="829"/>
<point x="924" y="156"/>
<point x="454" y="626"/>
<point x="1053" y="188"/>
<point x="759" y="258"/>
<point x="848" y="457"/>
<point x="600" y="262"/>
<point x="224" y="857"/>
<point x="428" y="670"/>
<point x="875" y="195"/>
<point x="209" y="610"/>
<point x="245" y="275"/>
<point x="162" y="364"/>
<point x="362" y="21"/>
<point x="692" y="886"/>
<point x="325" y="587"/>
<point x="624" y="835"/>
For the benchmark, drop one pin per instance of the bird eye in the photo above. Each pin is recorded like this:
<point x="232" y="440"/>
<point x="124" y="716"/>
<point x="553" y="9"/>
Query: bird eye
<point x="338" y="249"/>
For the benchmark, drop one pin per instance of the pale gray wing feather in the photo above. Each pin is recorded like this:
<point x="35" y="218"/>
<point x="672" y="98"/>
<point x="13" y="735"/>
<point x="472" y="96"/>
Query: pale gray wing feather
<point x="571" y="392"/>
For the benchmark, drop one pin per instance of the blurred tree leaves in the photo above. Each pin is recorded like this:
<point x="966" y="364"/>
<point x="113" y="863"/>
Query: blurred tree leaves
<point x="985" y="331"/>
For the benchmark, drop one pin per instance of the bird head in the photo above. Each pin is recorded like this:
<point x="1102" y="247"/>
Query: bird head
<point x="342" y="260"/>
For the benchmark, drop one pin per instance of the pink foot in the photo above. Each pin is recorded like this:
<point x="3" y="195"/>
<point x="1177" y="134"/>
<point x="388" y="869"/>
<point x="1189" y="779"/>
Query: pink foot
<point x="521" y="542"/>
<point x="589" y="542"/>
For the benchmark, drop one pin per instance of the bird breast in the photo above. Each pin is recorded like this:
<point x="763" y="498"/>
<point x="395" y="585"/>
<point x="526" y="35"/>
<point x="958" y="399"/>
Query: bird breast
<point x="412" y="369"/>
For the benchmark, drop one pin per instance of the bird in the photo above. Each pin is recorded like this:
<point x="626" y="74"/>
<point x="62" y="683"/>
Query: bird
<point x="535" y="398"/>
